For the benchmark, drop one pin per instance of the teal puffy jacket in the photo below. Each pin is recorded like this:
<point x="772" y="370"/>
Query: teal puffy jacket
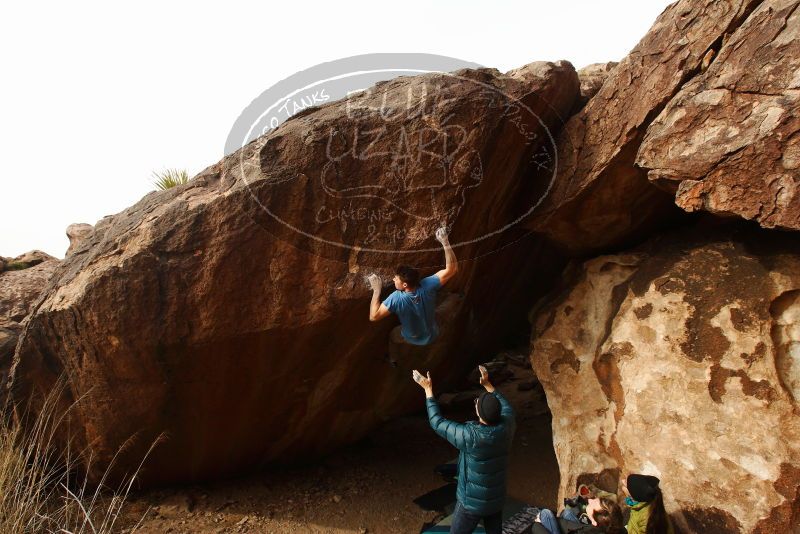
<point x="482" y="458"/>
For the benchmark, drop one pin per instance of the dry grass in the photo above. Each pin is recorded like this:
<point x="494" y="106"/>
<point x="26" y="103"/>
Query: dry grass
<point x="40" y="489"/>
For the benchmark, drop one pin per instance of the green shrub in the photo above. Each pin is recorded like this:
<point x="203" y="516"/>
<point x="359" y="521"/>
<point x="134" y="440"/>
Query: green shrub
<point x="17" y="265"/>
<point x="170" y="178"/>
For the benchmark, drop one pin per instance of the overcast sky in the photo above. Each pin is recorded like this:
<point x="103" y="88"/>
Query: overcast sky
<point x="97" y="96"/>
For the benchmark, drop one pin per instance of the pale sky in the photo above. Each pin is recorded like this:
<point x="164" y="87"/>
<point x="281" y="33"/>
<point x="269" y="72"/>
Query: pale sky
<point x="97" y="95"/>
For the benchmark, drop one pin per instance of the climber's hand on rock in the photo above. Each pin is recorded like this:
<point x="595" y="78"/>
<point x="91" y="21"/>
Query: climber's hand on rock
<point x="441" y="235"/>
<point x="375" y="282"/>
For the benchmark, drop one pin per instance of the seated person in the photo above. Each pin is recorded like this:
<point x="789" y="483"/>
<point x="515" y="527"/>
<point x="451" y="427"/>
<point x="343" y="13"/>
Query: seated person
<point x="575" y="507"/>
<point x="647" y="506"/>
<point x="601" y="515"/>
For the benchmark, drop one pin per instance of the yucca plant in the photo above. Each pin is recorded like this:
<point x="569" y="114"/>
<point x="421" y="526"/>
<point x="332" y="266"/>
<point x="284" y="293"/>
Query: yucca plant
<point x="170" y="178"/>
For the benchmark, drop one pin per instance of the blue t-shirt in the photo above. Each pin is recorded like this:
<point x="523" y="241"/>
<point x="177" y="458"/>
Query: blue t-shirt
<point x="417" y="311"/>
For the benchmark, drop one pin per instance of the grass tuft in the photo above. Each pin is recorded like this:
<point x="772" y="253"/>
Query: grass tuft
<point x="169" y="178"/>
<point x="41" y="490"/>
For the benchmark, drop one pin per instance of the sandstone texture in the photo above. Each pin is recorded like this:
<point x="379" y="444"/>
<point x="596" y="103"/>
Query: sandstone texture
<point x="681" y="359"/>
<point x="230" y="315"/>
<point x="729" y="141"/>
<point x="600" y="197"/>
<point x="24" y="261"/>
<point x="77" y="233"/>
<point x="19" y="290"/>
<point x="592" y="78"/>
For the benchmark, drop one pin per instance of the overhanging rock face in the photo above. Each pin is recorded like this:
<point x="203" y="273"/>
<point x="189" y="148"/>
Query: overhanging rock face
<point x="230" y="314"/>
<point x="729" y="142"/>
<point x="601" y="198"/>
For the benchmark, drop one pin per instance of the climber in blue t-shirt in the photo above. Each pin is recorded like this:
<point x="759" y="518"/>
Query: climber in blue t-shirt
<point x="414" y="301"/>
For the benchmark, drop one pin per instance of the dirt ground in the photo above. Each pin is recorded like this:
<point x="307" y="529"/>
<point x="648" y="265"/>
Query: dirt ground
<point x="366" y="488"/>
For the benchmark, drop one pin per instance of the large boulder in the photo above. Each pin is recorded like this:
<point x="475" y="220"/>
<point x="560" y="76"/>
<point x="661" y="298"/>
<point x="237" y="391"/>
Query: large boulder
<point x="231" y="313"/>
<point x="729" y="141"/>
<point x="19" y="290"/>
<point x="600" y="198"/>
<point x="681" y="359"/>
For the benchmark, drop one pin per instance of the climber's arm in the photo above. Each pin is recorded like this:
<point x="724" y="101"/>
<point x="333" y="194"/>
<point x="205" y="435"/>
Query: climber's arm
<point x="377" y="311"/>
<point x="450" y="261"/>
<point x="458" y="435"/>
<point x="506" y="411"/>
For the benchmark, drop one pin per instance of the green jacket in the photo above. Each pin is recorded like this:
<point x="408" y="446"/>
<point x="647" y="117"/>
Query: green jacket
<point x="637" y="524"/>
<point x="482" y="458"/>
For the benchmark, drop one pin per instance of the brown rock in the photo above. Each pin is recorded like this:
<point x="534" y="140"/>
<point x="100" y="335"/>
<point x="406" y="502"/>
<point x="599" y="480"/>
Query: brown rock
<point x="77" y="234"/>
<point x="728" y="142"/>
<point x="231" y="312"/>
<point x="528" y="385"/>
<point x="8" y="342"/>
<point x="680" y="359"/>
<point x="592" y="78"/>
<point x="33" y="257"/>
<point x="26" y="260"/>
<point x="600" y="198"/>
<point x="459" y="400"/>
<point x="19" y="290"/>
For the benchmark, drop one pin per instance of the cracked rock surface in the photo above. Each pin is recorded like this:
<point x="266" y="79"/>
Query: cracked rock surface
<point x="729" y="141"/>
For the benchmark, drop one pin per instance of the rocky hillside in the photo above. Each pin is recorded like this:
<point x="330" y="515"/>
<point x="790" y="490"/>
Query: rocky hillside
<point x="646" y="211"/>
